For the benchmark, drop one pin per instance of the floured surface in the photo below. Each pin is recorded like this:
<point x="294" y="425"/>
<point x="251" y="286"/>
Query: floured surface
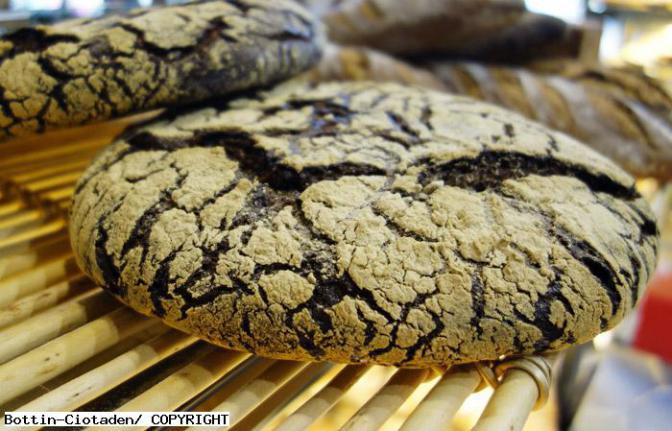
<point x="362" y="222"/>
<point x="84" y="70"/>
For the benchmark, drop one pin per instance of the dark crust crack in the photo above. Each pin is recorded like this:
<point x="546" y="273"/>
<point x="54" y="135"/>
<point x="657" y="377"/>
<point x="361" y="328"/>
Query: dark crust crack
<point x="502" y="166"/>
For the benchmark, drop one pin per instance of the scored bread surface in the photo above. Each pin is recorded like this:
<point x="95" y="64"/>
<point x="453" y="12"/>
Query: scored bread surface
<point x="85" y="70"/>
<point x="362" y="222"/>
<point x="621" y="113"/>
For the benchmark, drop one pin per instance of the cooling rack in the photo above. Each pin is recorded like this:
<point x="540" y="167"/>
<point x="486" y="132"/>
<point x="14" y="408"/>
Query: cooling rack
<point x="65" y="345"/>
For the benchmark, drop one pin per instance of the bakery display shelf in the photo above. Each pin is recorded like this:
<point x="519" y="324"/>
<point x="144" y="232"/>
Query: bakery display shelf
<point x="66" y="345"/>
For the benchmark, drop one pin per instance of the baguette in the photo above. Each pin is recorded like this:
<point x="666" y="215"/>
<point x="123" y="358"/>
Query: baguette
<point x="619" y="112"/>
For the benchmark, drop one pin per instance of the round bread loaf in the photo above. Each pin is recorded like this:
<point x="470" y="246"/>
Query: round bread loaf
<point x="85" y="70"/>
<point x="363" y="222"/>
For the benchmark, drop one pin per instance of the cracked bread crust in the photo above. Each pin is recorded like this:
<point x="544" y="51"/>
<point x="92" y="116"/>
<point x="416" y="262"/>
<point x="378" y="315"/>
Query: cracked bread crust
<point x="85" y="70"/>
<point x="364" y="222"/>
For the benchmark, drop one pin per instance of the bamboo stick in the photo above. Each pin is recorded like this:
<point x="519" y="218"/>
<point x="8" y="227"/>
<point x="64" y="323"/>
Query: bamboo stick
<point x="266" y="412"/>
<point x="94" y="383"/>
<point x="20" y="218"/>
<point x="247" y="370"/>
<point x="21" y="222"/>
<point x="243" y="401"/>
<point x="510" y="405"/>
<point x="12" y="206"/>
<point x="57" y="195"/>
<point x="58" y="138"/>
<point x="20" y="338"/>
<point x="51" y="182"/>
<point x="183" y="385"/>
<point x="31" y="244"/>
<point x="45" y="167"/>
<point x="52" y="153"/>
<point x="36" y="279"/>
<point x="74" y="165"/>
<point x="23" y="259"/>
<point x="324" y="400"/>
<point x="57" y="356"/>
<point x="64" y="206"/>
<point x="379" y="408"/>
<point x="56" y="225"/>
<point x="319" y="381"/>
<point x="62" y="137"/>
<point x="32" y="304"/>
<point x="438" y="408"/>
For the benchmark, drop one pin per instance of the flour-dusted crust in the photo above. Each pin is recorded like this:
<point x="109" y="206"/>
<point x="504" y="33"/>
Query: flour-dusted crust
<point x="85" y="70"/>
<point x="362" y="222"/>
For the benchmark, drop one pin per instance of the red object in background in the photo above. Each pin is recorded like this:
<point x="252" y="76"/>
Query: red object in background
<point x="654" y="333"/>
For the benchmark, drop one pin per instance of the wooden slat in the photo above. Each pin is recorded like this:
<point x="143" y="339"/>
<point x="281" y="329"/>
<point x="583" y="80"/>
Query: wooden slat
<point x="186" y="383"/>
<point x="46" y="167"/>
<point x="23" y="259"/>
<point x="379" y="408"/>
<point x="65" y="352"/>
<point x="320" y="404"/>
<point x="12" y="206"/>
<point x="74" y="165"/>
<point x="36" y="279"/>
<point x="64" y="205"/>
<point x="273" y="405"/>
<point x="244" y="400"/>
<point x="52" y="182"/>
<point x="510" y="405"/>
<point x="438" y="408"/>
<point x="56" y="195"/>
<point x="88" y="386"/>
<point x="250" y="368"/>
<point x="49" y="228"/>
<point x="57" y="138"/>
<point x="20" y="219"/>
<point x="56" y="321"/>
<point x="85" y="146"/>
<point x="32" y="304"/>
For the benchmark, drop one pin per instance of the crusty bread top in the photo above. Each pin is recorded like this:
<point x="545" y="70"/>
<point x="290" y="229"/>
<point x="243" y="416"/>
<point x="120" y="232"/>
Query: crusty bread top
<point x="363" y="222"/>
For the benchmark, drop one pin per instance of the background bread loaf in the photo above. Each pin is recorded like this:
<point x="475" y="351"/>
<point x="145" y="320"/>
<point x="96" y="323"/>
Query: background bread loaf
<point x="493" y="30"/>
<point x="619" y="112"/>
<point x="343" y="63"/>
